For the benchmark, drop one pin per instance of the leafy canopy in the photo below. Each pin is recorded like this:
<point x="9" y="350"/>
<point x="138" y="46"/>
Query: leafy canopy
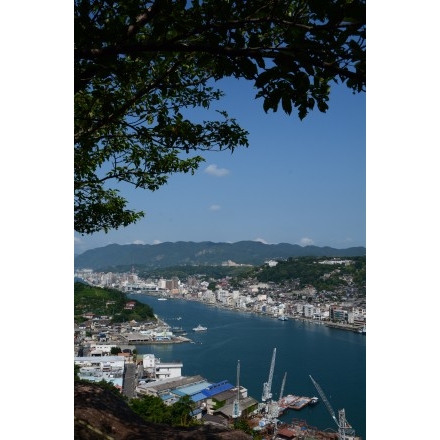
<point x="140" y="65"/>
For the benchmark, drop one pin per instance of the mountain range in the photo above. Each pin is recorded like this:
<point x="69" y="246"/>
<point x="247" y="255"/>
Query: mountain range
<point x="204" y="253"/>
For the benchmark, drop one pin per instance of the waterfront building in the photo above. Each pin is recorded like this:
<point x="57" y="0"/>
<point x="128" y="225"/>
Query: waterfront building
<point x="241" y="303"/>
<point x="209" y="398"/>
<point x="308" y="310"/>
<point x="163" y="388"/>
<point x="154" y="368"/>
<point x="223" y="297"/>
<point x="208" y="296"/>
<point x="299" y="308"/>
<point x="248" y="405"/>
<point x="337" y="314"/>
<point x="350" y="317"/>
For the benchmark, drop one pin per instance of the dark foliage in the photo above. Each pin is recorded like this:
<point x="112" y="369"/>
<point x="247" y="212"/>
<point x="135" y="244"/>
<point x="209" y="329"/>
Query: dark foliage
<point x="109" y="302"/>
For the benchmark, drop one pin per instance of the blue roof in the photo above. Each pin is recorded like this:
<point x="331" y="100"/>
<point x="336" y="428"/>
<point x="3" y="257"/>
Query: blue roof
<point x="217" y="388"/>
<point x="195" y="412"/>
<point x="179" y="393"/>
<point x="198" y="397"/>
<point x="191" y="389"/>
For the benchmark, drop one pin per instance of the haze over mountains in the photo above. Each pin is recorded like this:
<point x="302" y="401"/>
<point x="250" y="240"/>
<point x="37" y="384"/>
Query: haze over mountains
<point x="203" y="253"/>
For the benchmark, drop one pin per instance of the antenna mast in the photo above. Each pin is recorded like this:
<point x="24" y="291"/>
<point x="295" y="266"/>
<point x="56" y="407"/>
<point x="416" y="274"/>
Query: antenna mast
<point x="236" y="411"/>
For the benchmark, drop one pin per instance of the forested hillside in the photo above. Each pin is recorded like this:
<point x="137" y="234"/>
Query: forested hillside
<point x="307" y="271"/>
<point x="182" y="272"/>
<point x="107" y="302"/>
<point x="163" y="255"/>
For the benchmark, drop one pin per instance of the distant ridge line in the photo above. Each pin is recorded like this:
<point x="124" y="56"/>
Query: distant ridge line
<point x="208" y="253"/>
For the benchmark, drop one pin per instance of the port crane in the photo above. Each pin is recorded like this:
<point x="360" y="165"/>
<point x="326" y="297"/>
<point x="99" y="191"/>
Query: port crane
<point x="269" y="407"/>
<point x="236" y="410"/>
<point x="267" y="386"/>
<point x="345" y="431"/>
<point x="282" y="387"/>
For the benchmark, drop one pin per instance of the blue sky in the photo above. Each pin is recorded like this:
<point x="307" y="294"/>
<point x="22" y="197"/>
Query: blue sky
<point x="299" y="182"/>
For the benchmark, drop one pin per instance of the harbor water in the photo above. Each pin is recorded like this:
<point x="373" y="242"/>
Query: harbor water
<point x="336" y="359"/>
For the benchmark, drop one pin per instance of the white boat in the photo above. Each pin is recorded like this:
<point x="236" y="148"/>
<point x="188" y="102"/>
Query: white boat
<point x="161" y="299"/>
<point x="363" y="330"/>
<point x="313" y="401"/>
<point x="200" y="328"/>
<point x="282" y="318"/>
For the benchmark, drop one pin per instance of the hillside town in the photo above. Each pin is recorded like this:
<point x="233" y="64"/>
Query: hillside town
<point x="347" y="309"/>
<point x="105" y="350"/>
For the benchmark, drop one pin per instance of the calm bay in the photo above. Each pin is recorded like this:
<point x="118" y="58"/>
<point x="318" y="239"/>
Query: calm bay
<point x="336" y="359"/>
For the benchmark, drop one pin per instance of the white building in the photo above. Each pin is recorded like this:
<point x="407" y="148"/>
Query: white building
<point x="308" y="310"/>
<point x="207" y="296"/>
<point x="161" y="370"/>
<point x="223" y="296"/>
<point x="105" y="349"/>
<point x="97" y="368"/>
<point x="162" y="284"/>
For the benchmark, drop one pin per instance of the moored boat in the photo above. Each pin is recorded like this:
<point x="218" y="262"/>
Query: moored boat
<point x="314" y="400"/>
<point x="363" y="330"/>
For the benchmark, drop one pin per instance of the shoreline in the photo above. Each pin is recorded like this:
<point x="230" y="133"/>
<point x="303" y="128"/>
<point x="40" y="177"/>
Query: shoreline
<point x="329" y="324"/>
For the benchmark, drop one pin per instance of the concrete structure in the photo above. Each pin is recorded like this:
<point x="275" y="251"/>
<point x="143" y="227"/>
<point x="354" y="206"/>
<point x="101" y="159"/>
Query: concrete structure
<point x="206" y="395"/>
<point x="163" y="387"/>
<point x="108" y="368"/>
<point x="104" y="349"/>
<point x="337" y="314"/>
<point x="308" y="310"/>
<point x="156" y="369"/>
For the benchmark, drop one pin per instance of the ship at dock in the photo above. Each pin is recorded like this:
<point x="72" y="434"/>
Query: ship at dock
<point x="296" y="402"/>
<point x="266" y="418"/>
<point x="289" y="358"/>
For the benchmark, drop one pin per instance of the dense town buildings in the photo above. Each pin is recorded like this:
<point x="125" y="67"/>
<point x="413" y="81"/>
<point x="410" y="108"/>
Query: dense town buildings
<point x="263" y="298"/>
<point x="97" y="338"/>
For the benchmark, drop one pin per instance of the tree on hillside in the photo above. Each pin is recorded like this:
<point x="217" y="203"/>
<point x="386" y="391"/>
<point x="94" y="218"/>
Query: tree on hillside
<point x="140" y="65"/>
<point x="115" y="351"/>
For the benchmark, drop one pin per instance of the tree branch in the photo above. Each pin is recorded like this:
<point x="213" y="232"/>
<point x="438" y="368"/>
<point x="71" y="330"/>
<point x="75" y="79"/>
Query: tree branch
<point x="124" y="107"/>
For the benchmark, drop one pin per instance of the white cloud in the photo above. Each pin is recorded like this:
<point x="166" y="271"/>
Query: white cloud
<point x="306" y="241"/>
<point x="138" y="242"/>
<point x="157" y="242"/>
<point x="214" y="207"/>
<point x="261" y="240"/>
<point x="214" y="171"/>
